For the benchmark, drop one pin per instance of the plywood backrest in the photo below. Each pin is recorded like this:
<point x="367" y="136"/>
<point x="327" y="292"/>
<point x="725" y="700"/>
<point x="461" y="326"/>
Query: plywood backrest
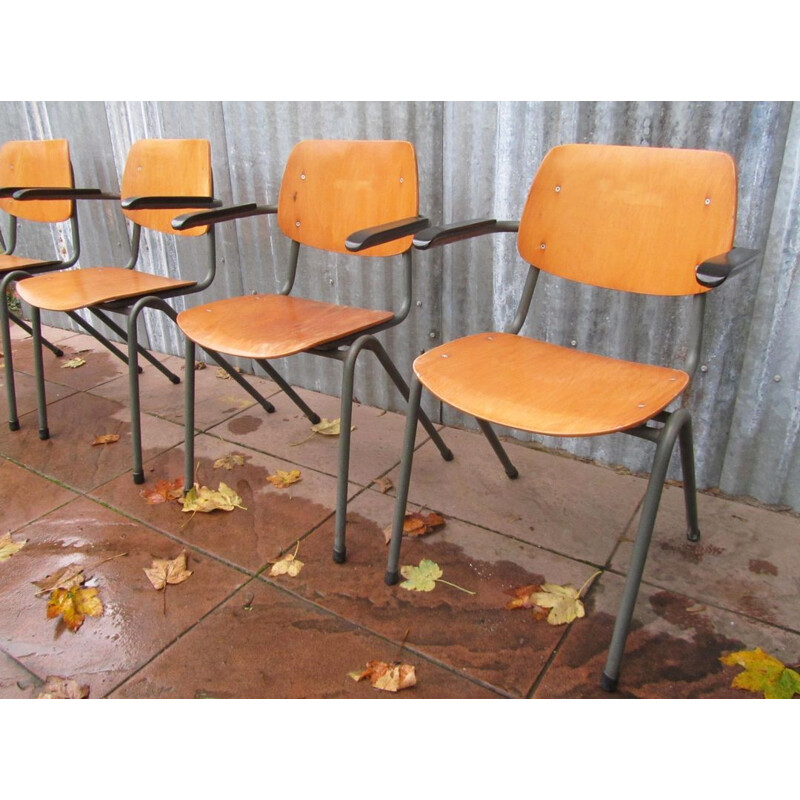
<point x="333" y="188"/>
<point x="167" y="167"/>
<point x="638" y="219"/>
<point x="43" y="164"/>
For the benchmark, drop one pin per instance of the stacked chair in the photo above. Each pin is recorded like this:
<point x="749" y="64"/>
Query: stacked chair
<point x="634" y="219"/>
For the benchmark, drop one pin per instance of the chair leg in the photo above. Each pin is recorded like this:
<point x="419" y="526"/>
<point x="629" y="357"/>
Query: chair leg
<point x="188" y="416"/>
<point x="498" y="448"/>
<point x="8" y="362"/>
<point x="54" y="349"/>
<point x="133" y="395"/>
<point x="674" y="425"/>
<point x="404" y="480"/>
<point x="288" y="390"/>
<point x="41" y="399"/>
<point x="689" y="482"/>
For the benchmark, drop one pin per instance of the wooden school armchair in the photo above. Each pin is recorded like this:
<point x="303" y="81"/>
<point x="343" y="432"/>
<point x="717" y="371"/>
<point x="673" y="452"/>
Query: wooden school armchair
<point x="633" y="219"/>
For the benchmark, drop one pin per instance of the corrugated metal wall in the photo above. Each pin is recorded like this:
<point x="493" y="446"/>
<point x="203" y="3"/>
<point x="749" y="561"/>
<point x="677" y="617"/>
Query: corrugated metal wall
<point x="478" y="159"/>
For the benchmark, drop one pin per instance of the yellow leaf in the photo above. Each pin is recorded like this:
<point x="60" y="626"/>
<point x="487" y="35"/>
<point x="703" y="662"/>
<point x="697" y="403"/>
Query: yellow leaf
<point x="383" y="484"/>
<point x="8" y="548"/>
<point x="283" y="479"/>
<point x="387" y="677"/>
<point x="288" y="565"/>
<point x="563" y="601"/>
<point x="73" y="363"/>
<point x="229" y="461"/>
<point x="201" y="498"/>
<point x="763" y="673"/>
<point x="57" y="688"/>
<point x="327" y="427"/>
<point x="106" y="438"/>
<point x="163" y="571"/>
<point x="74" y="605"/>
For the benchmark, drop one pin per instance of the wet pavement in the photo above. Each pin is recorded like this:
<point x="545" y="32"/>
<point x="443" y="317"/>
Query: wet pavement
<point x="231" y="631"/>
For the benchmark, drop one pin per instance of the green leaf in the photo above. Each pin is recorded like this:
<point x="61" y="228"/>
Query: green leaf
<point x="763" y="673"/>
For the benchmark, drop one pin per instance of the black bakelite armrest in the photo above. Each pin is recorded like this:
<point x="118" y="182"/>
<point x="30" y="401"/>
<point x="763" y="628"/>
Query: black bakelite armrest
<point x="195" y="219"/>
<point x="456" y="231"/>
<point x="62" y="193"/>
<point x="717" y="270"/>
<point x="380" y="234"/>
<point x="169" y="201"/>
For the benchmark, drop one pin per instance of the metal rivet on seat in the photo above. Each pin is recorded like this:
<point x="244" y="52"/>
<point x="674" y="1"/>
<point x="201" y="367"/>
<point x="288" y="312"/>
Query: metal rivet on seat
<point x="445" y="355"/>
<point x="303" y="176"/>
<point x="297" y="224"/>
<point x="708" y="201"/>
<point x="574" y="343"/>
<point x="641" y="405"/>
<point x="542" y="245"/>
<point x="558" y="188"/>
<point x="402" y="180"/>
<point x="704" y="368"/>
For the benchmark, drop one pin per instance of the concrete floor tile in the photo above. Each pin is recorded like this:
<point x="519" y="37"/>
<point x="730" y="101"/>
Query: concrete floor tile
<point x="747" y="559"/>
<point x="473" y="634"/>
<point x="375" y="443"/>
<point x="563" y="504"/>
<point x="673" y="648"/>
<point x="133" y="627"/>
<point x="25" y="393"/>
<point x="274" y="519"/>
<point x="267" y="644"/>
<point x="68" y="455"/>
<point x="16" y="683"/>
<point x="216" y="399"/>
<point x="25" y="496"/>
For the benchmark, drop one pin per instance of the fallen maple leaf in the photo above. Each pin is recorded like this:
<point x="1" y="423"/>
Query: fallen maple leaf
<point x="163" y="491"/>
<point x="763" y="673"/>
<point x="201" y="498"/>
<point x="563" y="601"/>
<point x="229" y="461"/>
<point x="106" y="438"/>
<point x="325" y="427"/>
<point x="283" y="479"/>
<point x="8" y="548"/>
<point x="383" y="484"/>
<point x="222" y="374"/>
<point x="57" y="688"/>
<point x="65" y="578"/>
<point x="73" y="363"/>
<point x="163" y="571"/>
<point x="287" y="565"/>
<point x="416" y="524"/>
<point x="424" y="577"/>
<point x="387" y="677"/>
<point x="74" y="605"/>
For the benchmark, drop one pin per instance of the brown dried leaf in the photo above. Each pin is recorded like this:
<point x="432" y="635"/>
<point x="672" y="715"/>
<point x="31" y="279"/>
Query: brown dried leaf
<point x="164" y="571"/>
<point x="281" y="479"/>
<point x="229" y="461"/>
<point x="222" y="374"/>
<point x="163" y="491"/>
<point x="522" y="596"/>
<point x="57" y="688"/>
<point x="106" y="438"/>
<point x="417" y="524"/>
<point x="74" y="605"/>
<point x="383" y="484"/>
<point x="65" y="578"/>
<point x="387" y="677"/>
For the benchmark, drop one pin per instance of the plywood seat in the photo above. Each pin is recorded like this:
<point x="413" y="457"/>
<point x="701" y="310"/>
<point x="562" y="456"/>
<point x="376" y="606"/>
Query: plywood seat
<point x="544" y="388"/>
<point x="273" y="325"/>
<point x="67" y="291"/>
<point x="11" y="263"/>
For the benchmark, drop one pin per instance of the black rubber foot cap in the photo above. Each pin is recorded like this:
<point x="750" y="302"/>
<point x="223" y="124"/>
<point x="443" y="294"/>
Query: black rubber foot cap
<point x="269" y="408"/>
<point x="512" y="473"/>
<point x="693" y="535"/>
<point x="138" y="477"/>
<point x="175" y="379"/>
<point x="608" y="684"/>
<point x="340" y="556"/>
<point x="139" y="370"/>
<point x="44" y="433"/>
<point x="58" y="352"/>
<point x="390" y="578"/>
<point x="314" y="419"/>
<point x="13" y="426"/>
<point x="448" y="455"/>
